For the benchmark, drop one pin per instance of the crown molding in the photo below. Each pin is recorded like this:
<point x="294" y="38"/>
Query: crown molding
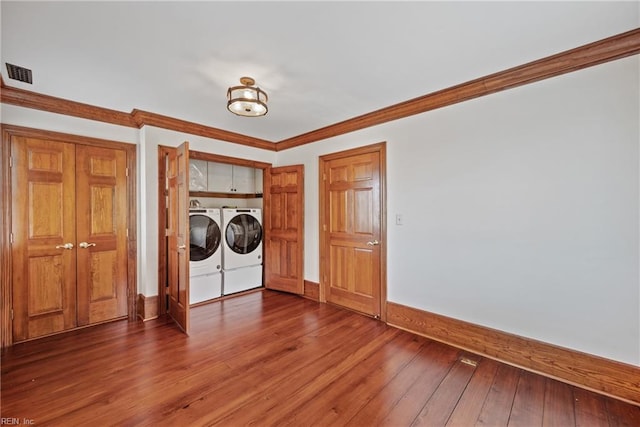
<point x="599" y="52"/>
<point x="146" y="118"/>
<point x="28" y="99"/>
<point x="135" y="119"/>
<point x="605" y="50"/>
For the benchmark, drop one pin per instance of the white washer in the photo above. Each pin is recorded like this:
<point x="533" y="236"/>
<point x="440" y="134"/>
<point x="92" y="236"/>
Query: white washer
<point x="241" y="249"/>
<point x="242" y="238"/>
<point x="205" y="254"/>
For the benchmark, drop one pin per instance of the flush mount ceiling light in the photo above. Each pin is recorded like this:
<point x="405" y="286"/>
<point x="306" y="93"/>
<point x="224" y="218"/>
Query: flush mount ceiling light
<point x="247" y="100"/>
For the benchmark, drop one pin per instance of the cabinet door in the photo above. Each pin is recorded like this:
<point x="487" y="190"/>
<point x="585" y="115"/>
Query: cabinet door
<point x="243" y="180"/>
<point x="102" y="234"/>
<point x="259" y="180"/>
<point x="198" y="175"/>
<point x="220" y="177"/>
<point x="44" y="231"/>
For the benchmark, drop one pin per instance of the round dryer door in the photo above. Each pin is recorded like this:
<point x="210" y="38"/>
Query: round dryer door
<point x="204" y="237"/>
<point x="244" y="234"/>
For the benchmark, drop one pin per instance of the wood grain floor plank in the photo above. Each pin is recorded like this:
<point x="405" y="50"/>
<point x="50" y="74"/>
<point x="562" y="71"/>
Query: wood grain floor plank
<point x="384" y="400"/>
<point x="558" y="401"/>
<point x="315" y="384"/>
<point x="590" y="409"/>
<point x="440" y="362"/>
<point x="251" y="381"/>
<point x="622" y="414"/>
<point x="269" y="358"/>
<point x="497" y="405"/>
<point x="291" y="368"/>
<point x="470" y="404"/>
<point x="528" y="405"/>
<point x="440" y="406"/>
<point x="342" y="399"/>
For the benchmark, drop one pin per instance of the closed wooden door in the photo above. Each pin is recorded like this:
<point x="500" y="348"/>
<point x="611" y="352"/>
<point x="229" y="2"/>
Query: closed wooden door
<point x="352" y="238"/>
<point x="69" y="230"/>
<point x="101" y="234"/>
<point x="43" y="210"/>
<point x="178" y="235"/>
<point x="284" y="229"/>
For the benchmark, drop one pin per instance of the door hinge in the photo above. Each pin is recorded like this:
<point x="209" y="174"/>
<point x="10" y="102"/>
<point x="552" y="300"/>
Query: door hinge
<point x="324" y="176"/>
<point x="11" y="238"/>
<point x="127" y="232"/>
<point x="126" y="171"/>
<point x="10" y="162"/>
<point x="12" y="314"/>
<point x="324" y="227"/>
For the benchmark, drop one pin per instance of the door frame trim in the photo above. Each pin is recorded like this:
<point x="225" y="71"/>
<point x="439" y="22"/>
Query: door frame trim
<point x="9" y="131"/>
<point x="380" y="148"/>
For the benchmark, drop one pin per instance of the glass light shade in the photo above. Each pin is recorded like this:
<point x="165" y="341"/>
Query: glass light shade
<point x="247" y="101"/>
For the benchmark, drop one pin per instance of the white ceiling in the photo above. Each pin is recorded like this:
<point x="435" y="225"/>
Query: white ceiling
<point x="319" y="62"/>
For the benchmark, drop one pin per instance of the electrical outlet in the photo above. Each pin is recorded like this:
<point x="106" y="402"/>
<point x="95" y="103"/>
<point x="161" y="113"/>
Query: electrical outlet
<point x="399" y="220"/>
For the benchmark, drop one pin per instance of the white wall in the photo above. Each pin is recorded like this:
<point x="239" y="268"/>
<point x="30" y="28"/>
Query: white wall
<point x="521" y="209"/>
<point x="148" y="158"/>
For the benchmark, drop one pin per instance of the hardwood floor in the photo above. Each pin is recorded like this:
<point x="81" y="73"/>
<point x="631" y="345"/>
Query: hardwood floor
<point x="275" y="359"/>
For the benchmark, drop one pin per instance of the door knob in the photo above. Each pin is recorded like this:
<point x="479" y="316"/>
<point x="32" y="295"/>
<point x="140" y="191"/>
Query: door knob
<point x="182" y="247"/>
<point x="374" y="243"/>
<point x="65" y="246"/>
<point x="85" y="245"/>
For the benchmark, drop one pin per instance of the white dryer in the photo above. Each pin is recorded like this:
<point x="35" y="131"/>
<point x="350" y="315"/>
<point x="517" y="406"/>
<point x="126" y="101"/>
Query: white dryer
<point x="241" y="249"/>
<point x="205" y="254"/>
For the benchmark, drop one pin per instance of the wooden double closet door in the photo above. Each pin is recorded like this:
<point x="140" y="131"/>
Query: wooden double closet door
<point x="69" y="235"/>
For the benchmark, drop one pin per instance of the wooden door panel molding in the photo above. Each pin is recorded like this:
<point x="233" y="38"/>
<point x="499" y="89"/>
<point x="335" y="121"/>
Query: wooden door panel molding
<point x="352" y="227"/>
<point x="46" y="294"/>
<point x="284" y="228"/>
<point x="43" y="271"/>
<point x="102" y="234"/>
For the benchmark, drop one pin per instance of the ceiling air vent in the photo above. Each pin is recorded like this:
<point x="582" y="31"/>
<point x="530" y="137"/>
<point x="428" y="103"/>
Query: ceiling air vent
<point x="19" y="73"/>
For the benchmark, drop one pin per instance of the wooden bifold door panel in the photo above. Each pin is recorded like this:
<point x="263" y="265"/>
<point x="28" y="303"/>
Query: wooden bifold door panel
<point x="284" y="228"/>
<point x="178" y="236"/>
<point x="69" y="225"/>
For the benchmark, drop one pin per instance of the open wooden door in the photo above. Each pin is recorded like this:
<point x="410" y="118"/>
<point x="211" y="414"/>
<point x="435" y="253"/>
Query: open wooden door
<point x="284" y="228"/>
<point x="178" y="236"/>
